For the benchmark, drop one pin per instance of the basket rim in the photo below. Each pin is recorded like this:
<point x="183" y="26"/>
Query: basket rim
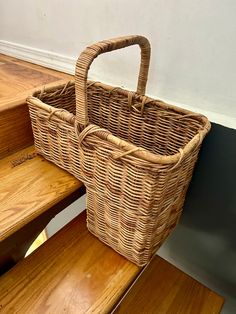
<point x="124" y="145"/>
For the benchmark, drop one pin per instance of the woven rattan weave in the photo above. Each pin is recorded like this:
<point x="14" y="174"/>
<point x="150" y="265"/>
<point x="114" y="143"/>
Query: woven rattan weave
<point x="135" y="154"/>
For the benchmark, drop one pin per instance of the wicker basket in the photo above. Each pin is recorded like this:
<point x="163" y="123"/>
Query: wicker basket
<point x="135" y="154"/>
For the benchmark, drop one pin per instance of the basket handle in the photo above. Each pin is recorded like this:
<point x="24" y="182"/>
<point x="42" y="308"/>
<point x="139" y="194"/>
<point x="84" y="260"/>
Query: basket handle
<point x="90" y="53"/>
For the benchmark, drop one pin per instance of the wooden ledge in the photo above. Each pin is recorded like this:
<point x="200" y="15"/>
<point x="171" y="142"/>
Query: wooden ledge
<point x="30" y="189"/>
<point x="33" y="192"/>
<point x="163" y="288"/>
<point x="72" y="272"/>
<point x="20" y="79"/>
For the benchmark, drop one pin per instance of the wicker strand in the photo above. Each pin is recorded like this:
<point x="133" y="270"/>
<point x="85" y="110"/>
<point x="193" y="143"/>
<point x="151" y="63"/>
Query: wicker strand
<point x="64" y="88"/>
<point x="92" y="83"/>
<point x="130" y="99"/>
<point x="113" y="89"/>
<point x="179" y="161"/>
<point x="118" y="155"/>
<point x="144" y="101"/>
<point x="90" y="129"/>
<point x="53" y="112"/>
<point x="41" y="92"/>
<point x="200" y="138"/>
<point x="77" y="131"/>
<point x="190" y="115"/>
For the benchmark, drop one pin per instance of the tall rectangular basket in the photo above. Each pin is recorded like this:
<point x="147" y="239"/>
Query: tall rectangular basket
<point x="135" y="154"/>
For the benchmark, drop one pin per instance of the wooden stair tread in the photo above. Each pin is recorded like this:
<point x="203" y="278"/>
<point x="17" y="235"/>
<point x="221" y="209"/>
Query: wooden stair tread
<point x="18" y="77"/>
<point x="162" y="288"/>
<point x="73" y="272"/>
<point x="32" y="193"/>
<point x="29" y="189"/>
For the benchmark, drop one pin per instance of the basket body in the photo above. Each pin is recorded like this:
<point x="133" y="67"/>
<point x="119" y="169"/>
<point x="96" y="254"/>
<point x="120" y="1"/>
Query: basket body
<point x="132" y="204"/>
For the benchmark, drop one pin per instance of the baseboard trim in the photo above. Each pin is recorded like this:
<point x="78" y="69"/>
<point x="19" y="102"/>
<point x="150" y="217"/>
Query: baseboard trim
<point x="45" y="58"/>
<point x="66" y="64"/>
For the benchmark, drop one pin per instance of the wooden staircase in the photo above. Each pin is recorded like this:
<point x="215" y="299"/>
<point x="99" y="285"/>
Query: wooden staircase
<point x="72" y="272"/>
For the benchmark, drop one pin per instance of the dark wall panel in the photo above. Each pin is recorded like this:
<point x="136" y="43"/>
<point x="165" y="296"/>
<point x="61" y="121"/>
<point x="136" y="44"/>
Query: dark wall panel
<point x="204" y="243"/>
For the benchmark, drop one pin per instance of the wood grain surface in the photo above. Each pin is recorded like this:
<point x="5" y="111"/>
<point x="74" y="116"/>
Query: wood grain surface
<point x="21" y="78"/>
<point x="17" y="76"/>
<point x="164" y="289"/>
<point x="73" y="272"/>
<point x="32" y="193"/>
<point x="14" y="247"/>
<point x="15" y="130"/>
<point x="29" y="189"/>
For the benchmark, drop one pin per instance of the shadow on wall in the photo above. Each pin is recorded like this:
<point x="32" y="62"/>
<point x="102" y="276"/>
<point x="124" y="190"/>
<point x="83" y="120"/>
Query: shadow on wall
<point x="204" y="243"/>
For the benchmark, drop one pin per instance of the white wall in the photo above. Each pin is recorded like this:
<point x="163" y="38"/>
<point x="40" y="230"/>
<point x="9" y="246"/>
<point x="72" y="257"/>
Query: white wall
<point x="66" y="216"/>
<point x="193" y="44"/>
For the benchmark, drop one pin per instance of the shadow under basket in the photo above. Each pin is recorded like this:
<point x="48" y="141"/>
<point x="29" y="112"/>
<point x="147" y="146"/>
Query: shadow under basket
<point x="135" y="156"/>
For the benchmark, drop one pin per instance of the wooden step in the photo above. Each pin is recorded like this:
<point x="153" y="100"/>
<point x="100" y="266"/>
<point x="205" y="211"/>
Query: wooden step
<point x="162" y="288"/>
<point x="72" y="272"/>
<point x="30" y="187"/>
<point x="19" y="77"/>
<point x="32" y="192"/>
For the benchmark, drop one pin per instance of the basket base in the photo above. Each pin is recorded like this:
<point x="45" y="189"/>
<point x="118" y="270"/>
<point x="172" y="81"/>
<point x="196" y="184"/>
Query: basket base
<point x="134" y="259"/>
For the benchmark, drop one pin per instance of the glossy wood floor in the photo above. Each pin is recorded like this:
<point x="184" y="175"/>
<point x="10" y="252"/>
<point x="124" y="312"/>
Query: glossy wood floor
<point x="164" y="289"/>
<point x="73" y="272"/>
<point x="29" y="189"/>
<point x="17" y="78"/>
